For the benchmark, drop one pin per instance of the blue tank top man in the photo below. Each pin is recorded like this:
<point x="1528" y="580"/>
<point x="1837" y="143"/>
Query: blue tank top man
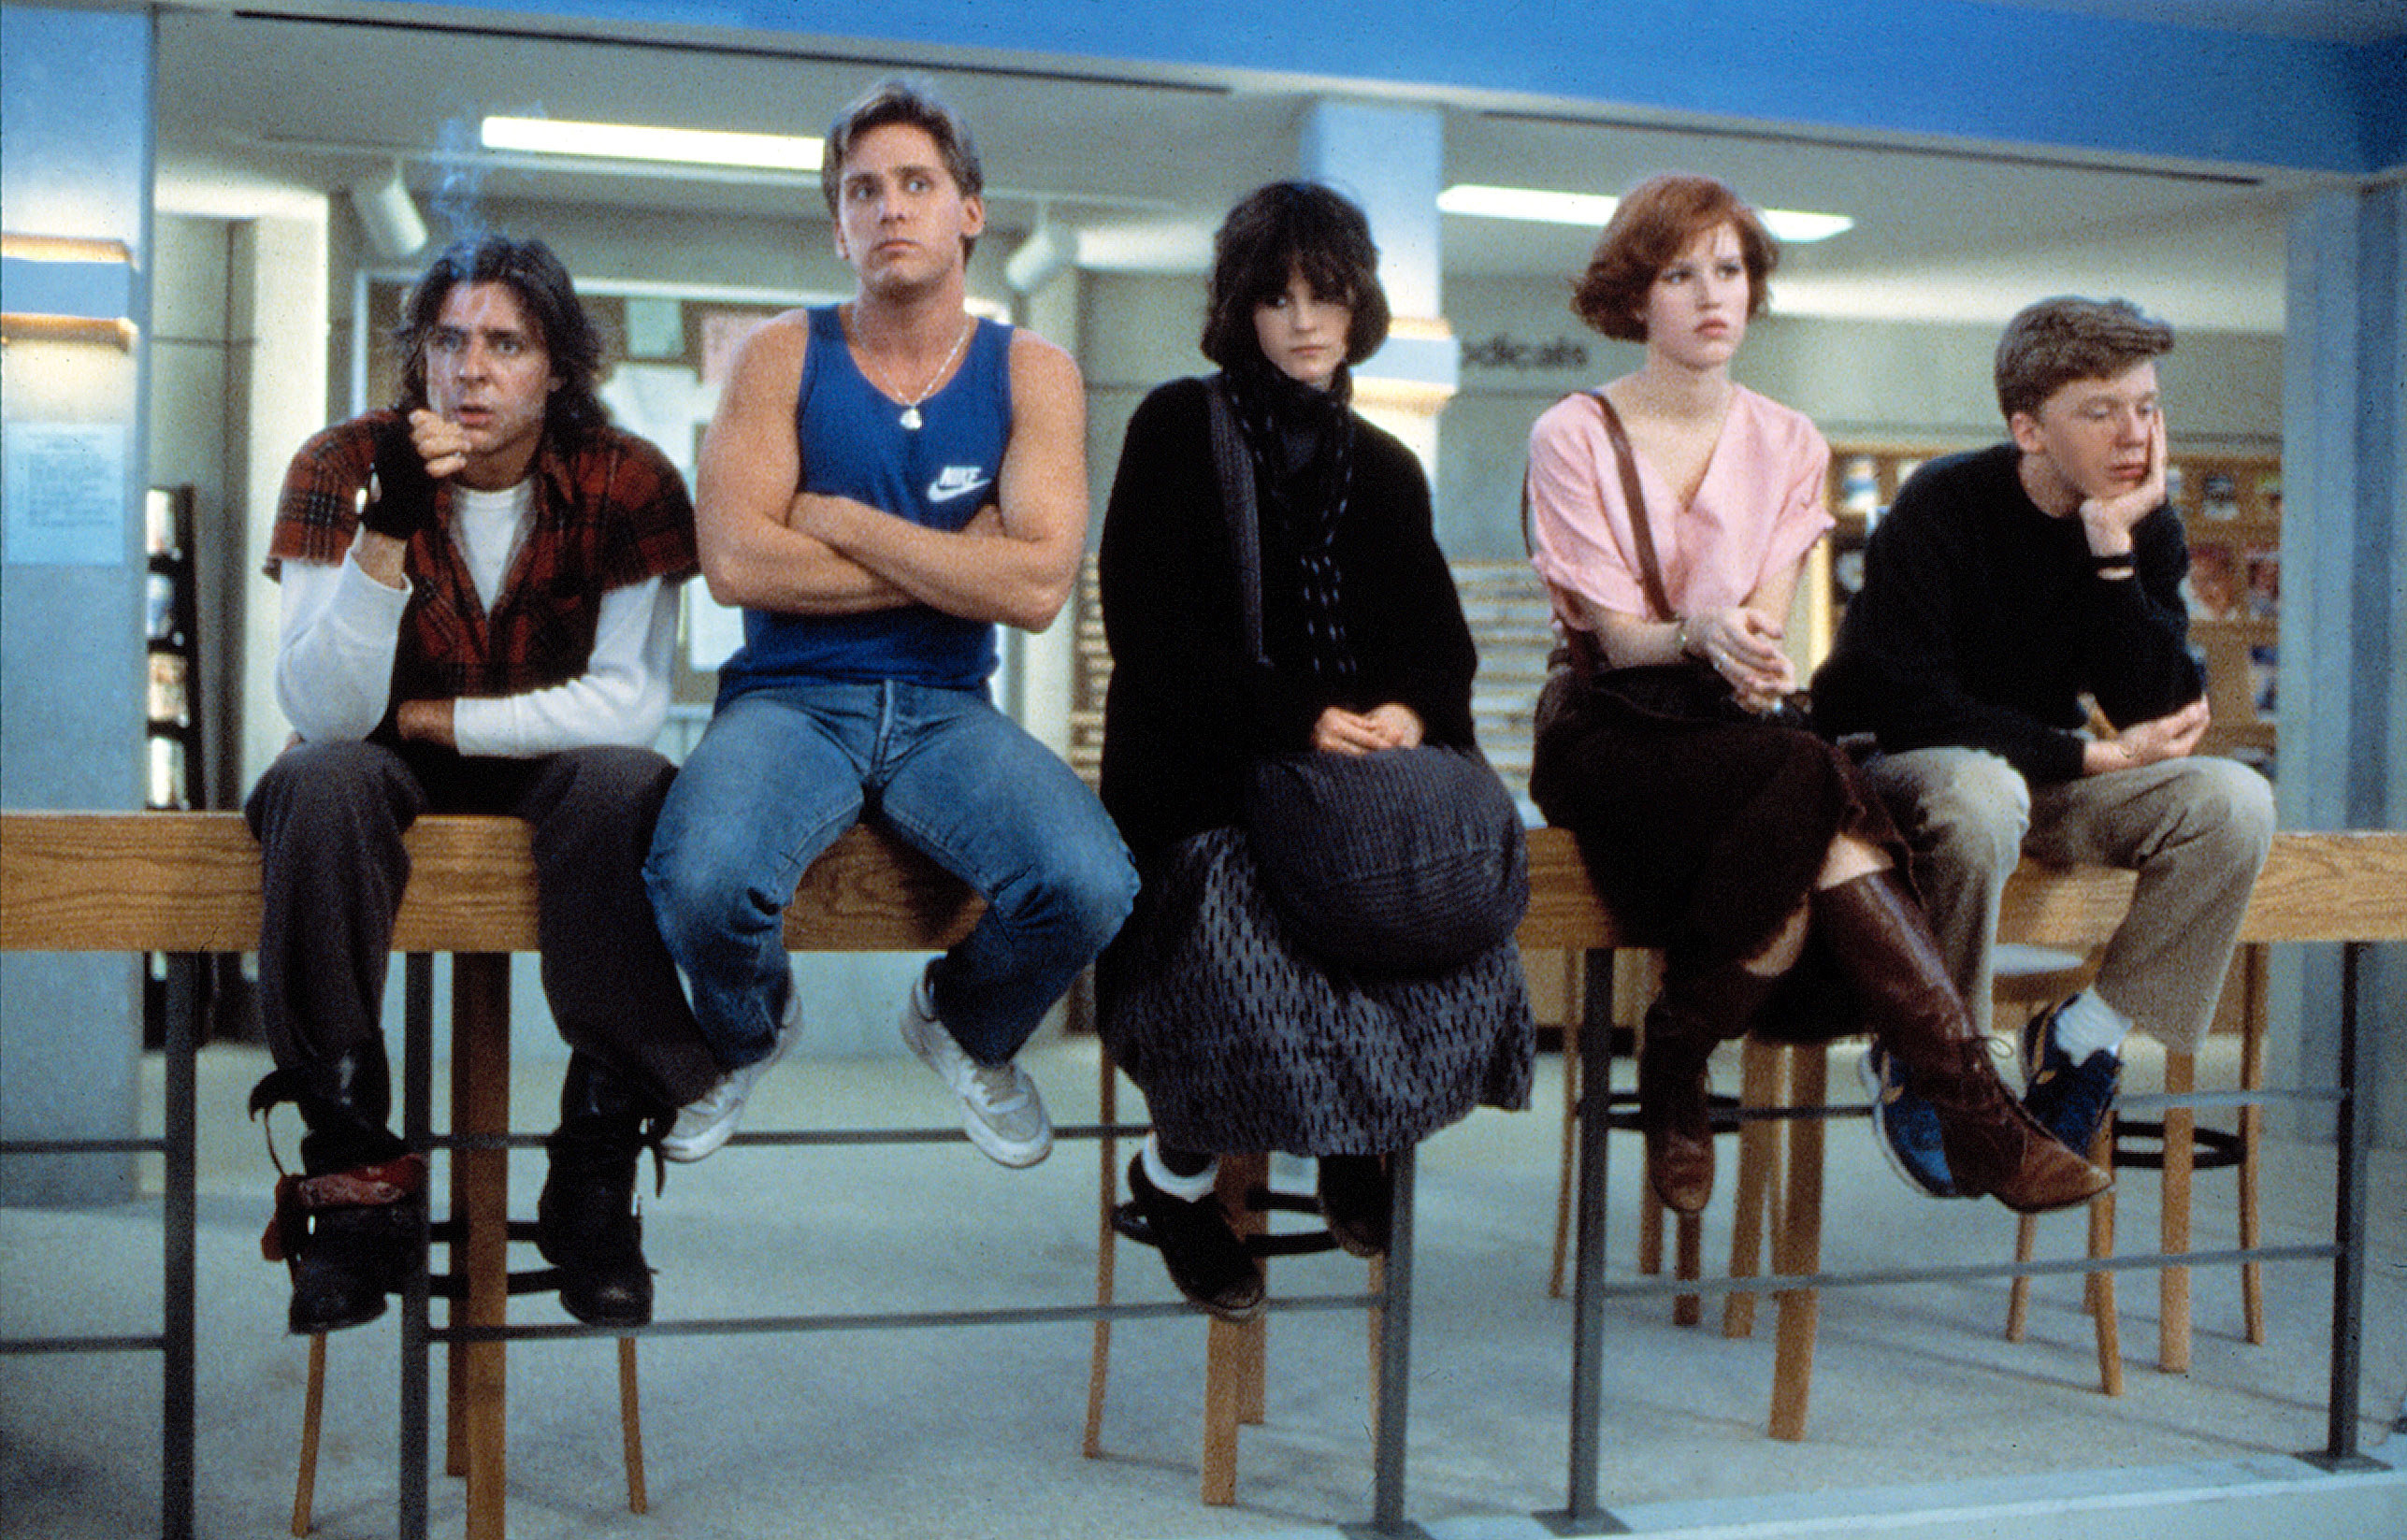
<point x="885" y="483"/>
<point x="854" y="443"/>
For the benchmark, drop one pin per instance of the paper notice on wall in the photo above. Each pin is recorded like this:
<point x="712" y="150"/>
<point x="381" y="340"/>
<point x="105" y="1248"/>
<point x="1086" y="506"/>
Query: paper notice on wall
<point x="65" y="498"/>
<point x="664" y="403"/>
<point x="656" y="328"/>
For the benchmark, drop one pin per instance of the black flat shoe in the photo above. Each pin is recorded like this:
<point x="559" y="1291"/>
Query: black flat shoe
<point x="1355" y="1200"/>
<point x="1206" y="1260"/>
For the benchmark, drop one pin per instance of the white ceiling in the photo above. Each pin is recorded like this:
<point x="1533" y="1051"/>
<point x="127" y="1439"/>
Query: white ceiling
<point x="254" y="109"/>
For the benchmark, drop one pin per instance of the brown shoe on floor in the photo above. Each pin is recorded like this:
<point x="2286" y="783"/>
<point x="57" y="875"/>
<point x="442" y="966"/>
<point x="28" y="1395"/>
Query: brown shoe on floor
<point x="1673" y="1057"/>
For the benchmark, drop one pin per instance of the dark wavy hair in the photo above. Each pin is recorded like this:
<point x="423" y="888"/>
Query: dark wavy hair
<point x="1651" y="226"/>
<point x="1272" y="233"/>
<point x="547" y="296"/>
<point x="915" y="105"/>
<point x="2053" y="343"/>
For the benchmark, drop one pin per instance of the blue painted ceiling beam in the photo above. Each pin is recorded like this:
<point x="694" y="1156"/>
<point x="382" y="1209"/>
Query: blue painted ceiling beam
<point x="1952" y="70"/>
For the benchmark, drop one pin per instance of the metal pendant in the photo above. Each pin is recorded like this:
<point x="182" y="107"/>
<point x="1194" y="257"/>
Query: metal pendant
<point x="911" y="418"/>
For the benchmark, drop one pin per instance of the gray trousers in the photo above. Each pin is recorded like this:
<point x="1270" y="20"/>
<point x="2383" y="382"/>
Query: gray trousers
<point x="329" y="818"/>
<point x="2196" y="830"/>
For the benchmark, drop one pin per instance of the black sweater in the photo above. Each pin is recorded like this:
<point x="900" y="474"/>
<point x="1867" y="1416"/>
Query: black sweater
<point x="1187" y="711"/>
<point x="1982" y="621"/>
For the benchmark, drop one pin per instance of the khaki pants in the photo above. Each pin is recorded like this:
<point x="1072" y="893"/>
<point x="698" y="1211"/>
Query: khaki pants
<point x="2196" y="830"/>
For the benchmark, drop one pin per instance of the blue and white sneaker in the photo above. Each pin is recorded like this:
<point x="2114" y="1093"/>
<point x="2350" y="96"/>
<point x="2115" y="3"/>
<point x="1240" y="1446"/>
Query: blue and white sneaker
<point x="2069" y="1099"/>
<point x="1907" y="1126"/>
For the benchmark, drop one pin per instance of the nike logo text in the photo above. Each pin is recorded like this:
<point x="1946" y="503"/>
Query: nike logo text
<point x="955" y="481"/>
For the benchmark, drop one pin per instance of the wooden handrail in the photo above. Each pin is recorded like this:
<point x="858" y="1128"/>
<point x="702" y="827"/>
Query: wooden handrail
<point x="189" y="882"/>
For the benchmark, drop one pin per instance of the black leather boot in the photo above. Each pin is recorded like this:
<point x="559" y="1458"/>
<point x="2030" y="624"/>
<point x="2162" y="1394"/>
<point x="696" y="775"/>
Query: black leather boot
<point x="1994" y="1147"/>
<point x="353" y="1224"/>
<point x="587" y="1221"/>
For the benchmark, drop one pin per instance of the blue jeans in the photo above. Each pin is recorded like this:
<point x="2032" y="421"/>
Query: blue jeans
<point x="781" y="772"/>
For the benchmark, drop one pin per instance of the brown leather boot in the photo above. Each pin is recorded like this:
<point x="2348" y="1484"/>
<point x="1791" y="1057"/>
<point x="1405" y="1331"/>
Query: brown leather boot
<point x="1884" y="945"/>
<point x="1702" y="1004"/>
<point x="1672" y="1110"/>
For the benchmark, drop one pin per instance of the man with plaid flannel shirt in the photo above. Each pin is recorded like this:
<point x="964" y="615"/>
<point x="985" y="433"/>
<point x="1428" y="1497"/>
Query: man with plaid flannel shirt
<point x="479" y="597"/>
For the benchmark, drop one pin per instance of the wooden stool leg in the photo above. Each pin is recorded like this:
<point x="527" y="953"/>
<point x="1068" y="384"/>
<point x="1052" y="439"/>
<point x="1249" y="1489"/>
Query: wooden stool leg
<point x="1776" y="1177"/>
<point x="1234" y="1391"/>
<point x="1758" y="1155"/>
<point x="1224" y="1393"/>
<point x="1107" y="1188"/>
<point x="2173" y="1283"/>
<point x="481" y="1092"/>
<point x="630" y="1427"/>
<point x="1255" y="1172"/>
<point x="2098" y="1290"/>
<point x="1687" y="1309"/>
<point x="2018" y="1294"/>
<point x="1798" y="1249"/>
<point x="313" y="1411"/>
<point x="1374" y="1321"/>
<point x="1574" y="1009"/>
<point x="2251" y="1131"/>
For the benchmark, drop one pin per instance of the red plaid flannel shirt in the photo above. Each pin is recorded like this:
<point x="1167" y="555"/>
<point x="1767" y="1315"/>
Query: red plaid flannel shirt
<point x="609" y="511"/>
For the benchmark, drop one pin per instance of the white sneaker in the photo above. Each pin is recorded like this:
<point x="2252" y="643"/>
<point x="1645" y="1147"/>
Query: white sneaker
<point x="1000" y="1109"/>
<point x="705" y="1124"/>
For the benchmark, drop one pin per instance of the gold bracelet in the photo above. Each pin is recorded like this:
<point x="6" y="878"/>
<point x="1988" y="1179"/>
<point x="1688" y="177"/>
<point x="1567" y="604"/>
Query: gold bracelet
<point x="1679" y="635"/>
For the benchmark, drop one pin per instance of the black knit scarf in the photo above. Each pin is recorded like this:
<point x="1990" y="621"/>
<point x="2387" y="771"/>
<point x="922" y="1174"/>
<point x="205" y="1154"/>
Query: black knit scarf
<point x="1302" y="441"/>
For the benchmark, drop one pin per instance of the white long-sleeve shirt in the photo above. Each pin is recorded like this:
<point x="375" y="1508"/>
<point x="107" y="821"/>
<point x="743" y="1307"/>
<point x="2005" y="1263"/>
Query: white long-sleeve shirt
<point x="337" y="629"/>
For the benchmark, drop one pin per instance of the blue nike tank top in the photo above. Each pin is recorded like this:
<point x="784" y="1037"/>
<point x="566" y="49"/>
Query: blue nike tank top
<point x="853" y="445"/>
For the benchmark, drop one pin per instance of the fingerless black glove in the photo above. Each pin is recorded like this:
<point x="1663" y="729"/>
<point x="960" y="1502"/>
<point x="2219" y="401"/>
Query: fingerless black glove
<point x="402" y="502"/>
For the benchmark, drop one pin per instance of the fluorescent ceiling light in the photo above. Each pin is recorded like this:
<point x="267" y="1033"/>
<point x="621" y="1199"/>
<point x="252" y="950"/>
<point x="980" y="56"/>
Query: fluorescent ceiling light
<point x="1592" y="210"/>
<point x="636" y="142"/>
<point x="1527" y="203"/>
<point x="1800" y="228"/>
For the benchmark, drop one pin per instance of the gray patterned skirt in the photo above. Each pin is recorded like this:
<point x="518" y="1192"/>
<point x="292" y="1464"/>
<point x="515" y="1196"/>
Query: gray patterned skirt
<point x="1241" y="1043"/>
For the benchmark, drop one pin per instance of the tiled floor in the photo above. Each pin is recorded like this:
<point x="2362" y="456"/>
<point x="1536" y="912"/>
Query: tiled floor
<point x="975" y="1432"/>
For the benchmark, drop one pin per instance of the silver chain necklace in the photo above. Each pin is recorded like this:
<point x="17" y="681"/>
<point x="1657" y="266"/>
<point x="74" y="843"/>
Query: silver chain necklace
<point x="911" y="419"/>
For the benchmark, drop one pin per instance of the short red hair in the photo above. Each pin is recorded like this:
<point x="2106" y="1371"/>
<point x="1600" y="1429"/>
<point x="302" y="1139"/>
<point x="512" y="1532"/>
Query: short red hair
<point x="1651" y="226"/>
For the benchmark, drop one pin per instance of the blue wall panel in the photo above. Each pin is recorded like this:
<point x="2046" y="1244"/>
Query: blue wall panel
<point x="1952" y="68"/>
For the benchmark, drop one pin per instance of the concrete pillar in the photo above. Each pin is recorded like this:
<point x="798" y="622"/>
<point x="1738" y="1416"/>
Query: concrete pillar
<point x="1392" y="161"/>
<point x="1040" y="667"/>
<point x="278" y="321"/>
<point x="2343" y="682"/>
<point x="75" y="163"/>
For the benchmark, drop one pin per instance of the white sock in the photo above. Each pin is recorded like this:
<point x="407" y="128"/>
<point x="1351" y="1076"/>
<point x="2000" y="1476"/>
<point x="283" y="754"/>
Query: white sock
<point x="2088" y="1025"/>
<point x="1187" y="1189"/>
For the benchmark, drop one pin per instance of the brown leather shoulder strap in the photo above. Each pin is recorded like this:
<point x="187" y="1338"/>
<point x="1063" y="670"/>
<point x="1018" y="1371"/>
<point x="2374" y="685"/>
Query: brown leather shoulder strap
<point x="1651" y="571"/>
